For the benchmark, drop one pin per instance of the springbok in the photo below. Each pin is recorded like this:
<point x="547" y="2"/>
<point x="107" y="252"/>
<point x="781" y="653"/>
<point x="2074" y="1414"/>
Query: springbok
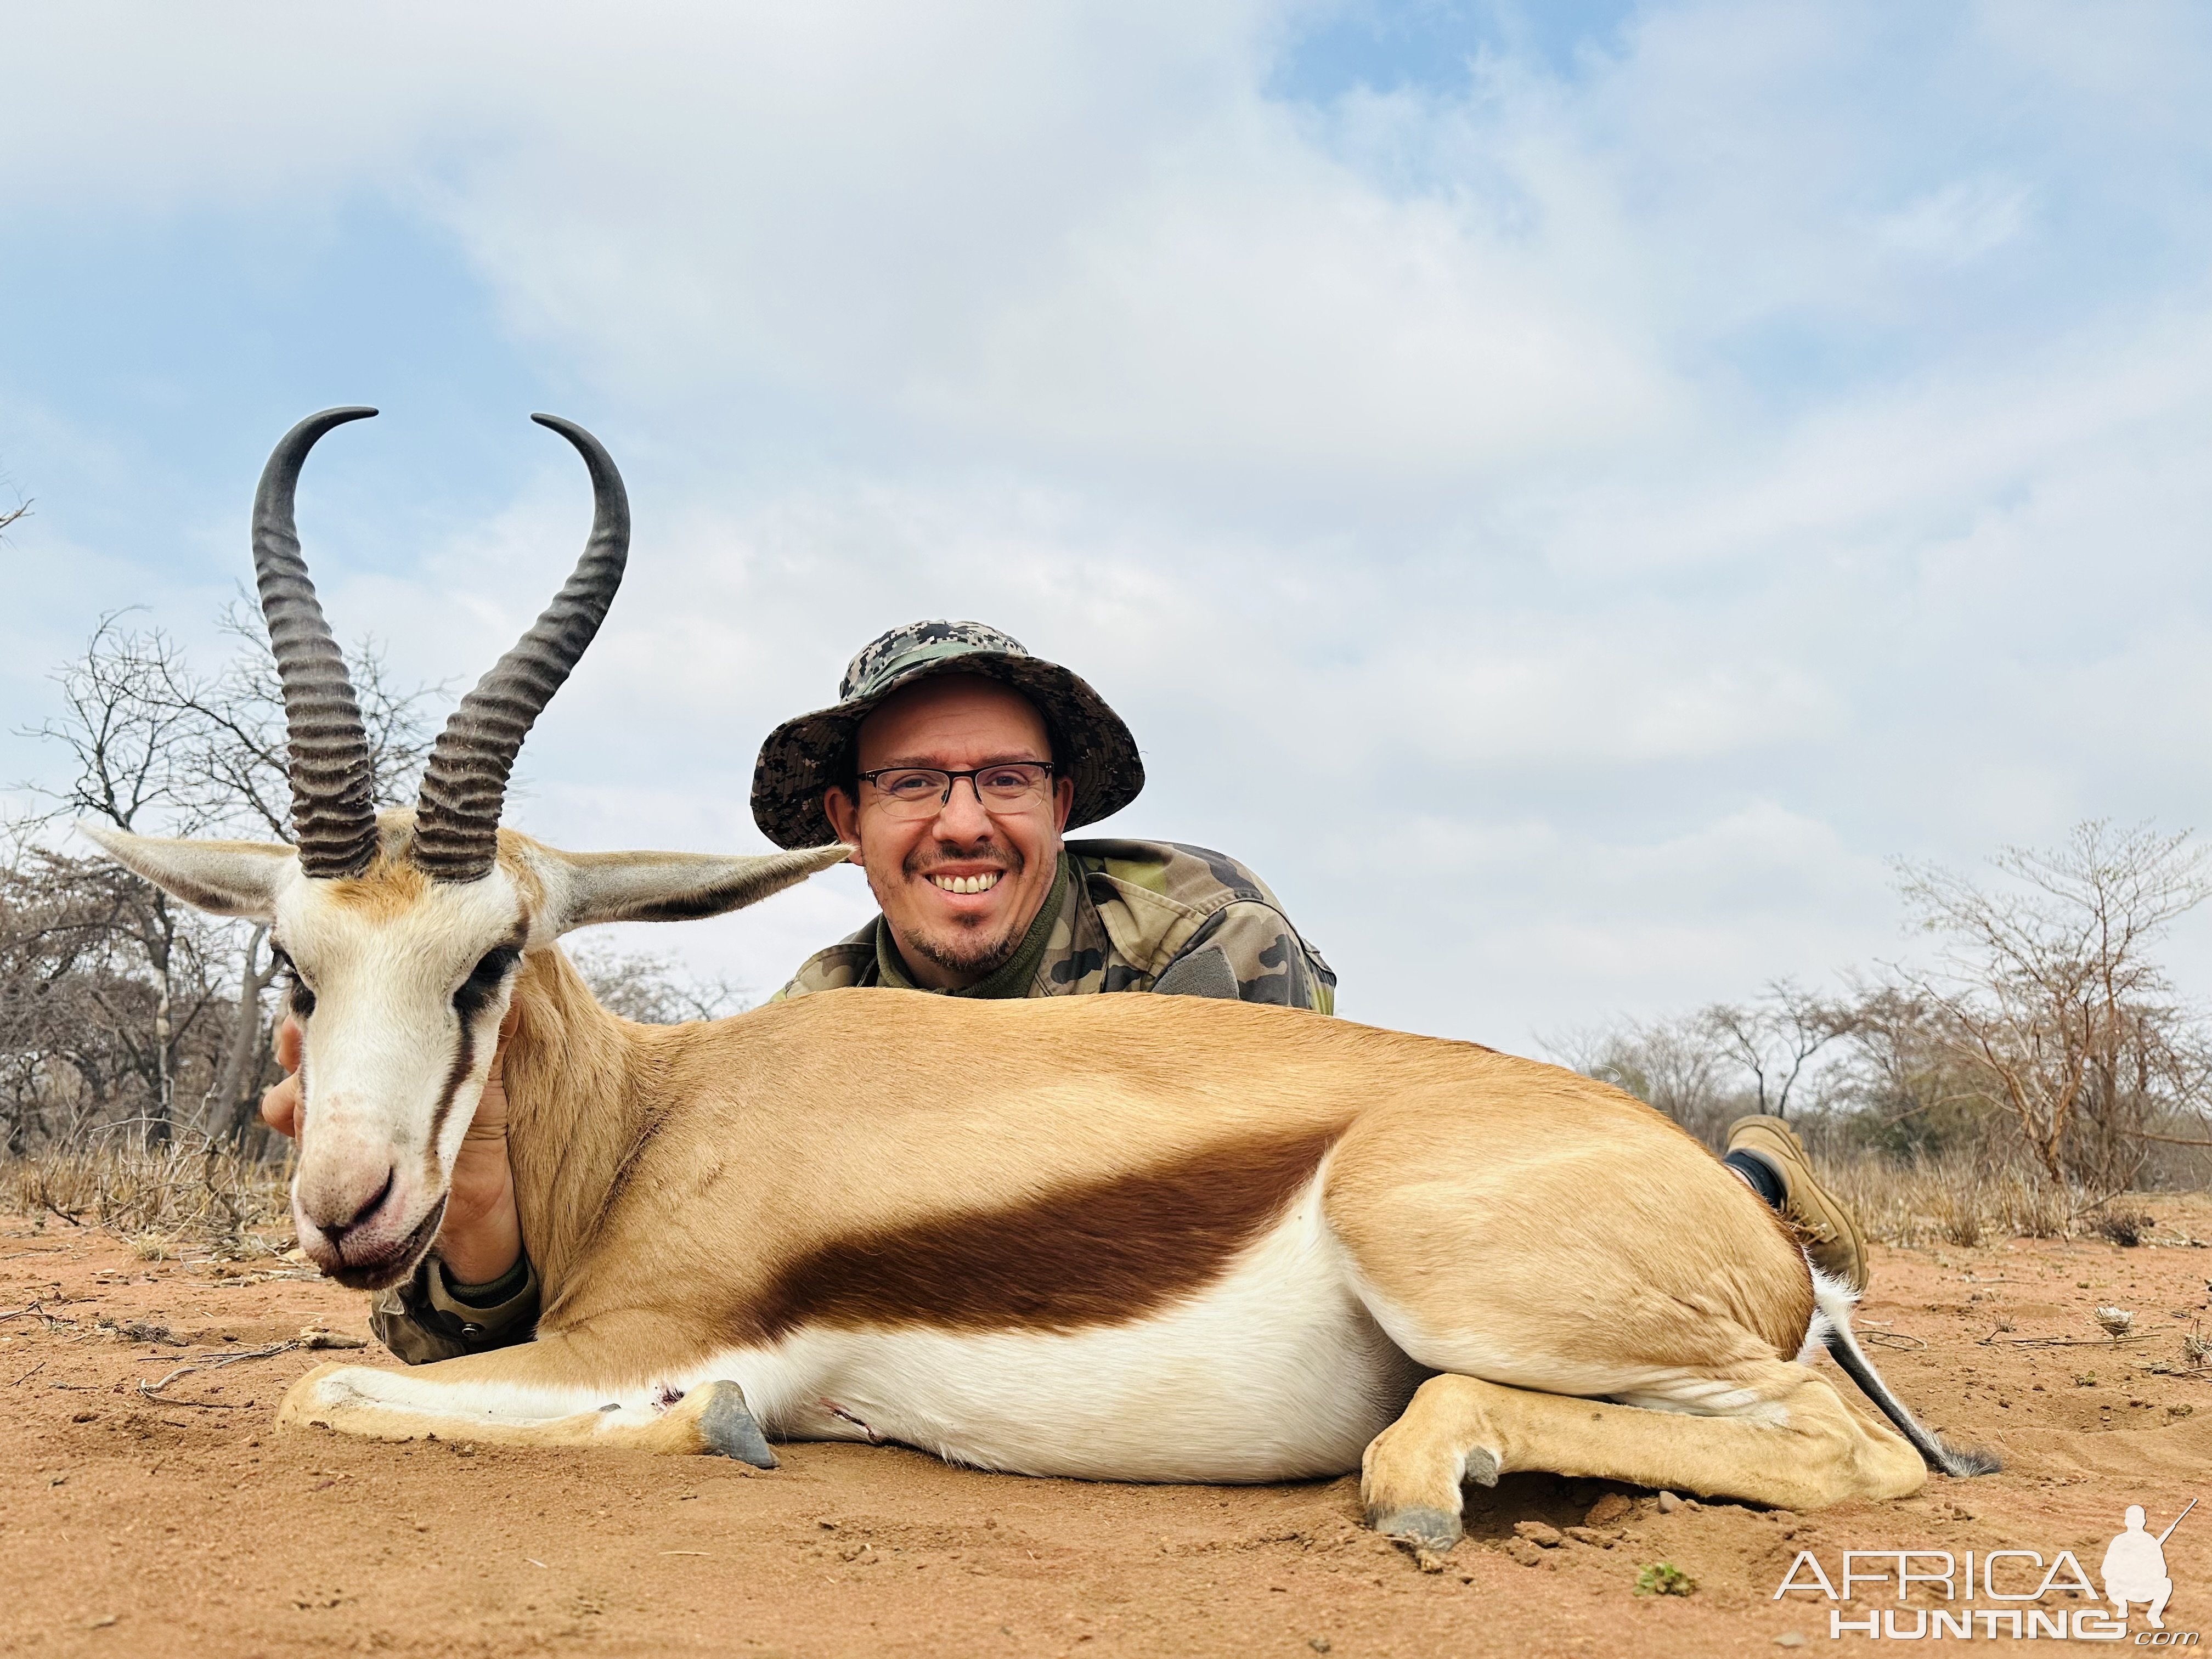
<point x="1127" y="1238"/>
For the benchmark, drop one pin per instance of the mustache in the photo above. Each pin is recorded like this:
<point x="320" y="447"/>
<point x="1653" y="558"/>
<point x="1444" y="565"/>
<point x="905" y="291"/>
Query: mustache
<point x="922" y="861"/>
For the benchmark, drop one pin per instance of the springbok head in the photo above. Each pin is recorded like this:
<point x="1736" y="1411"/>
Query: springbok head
<point x="405" y="929"/>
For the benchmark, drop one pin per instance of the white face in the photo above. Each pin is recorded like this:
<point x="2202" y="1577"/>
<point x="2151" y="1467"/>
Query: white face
<point x="402" y="984"/>
<point x="402" y="1014"/>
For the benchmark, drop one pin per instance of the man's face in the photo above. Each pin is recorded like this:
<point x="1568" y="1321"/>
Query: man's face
<point x="955" y="723"/>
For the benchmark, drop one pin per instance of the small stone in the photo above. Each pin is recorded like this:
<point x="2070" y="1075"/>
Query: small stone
<point x="1592" y="1536"/>
<point x="1543" y="1537"/>
<point x="1318" y="1643"/>
<point x="827" y="1525"/>
<point x="1669" y="1503"/>
<point x="1607" y="1509"/>
<point x="1523" y="1551"/>
<point x="1790" y="1639"/>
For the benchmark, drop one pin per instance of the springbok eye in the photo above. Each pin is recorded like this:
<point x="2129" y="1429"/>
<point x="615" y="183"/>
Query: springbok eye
<point x="484" y="980"/>
<point x="302" y="996"/>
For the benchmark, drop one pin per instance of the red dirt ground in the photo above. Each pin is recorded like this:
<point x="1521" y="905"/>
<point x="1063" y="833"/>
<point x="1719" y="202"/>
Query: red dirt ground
<point x="188" y="1525"/>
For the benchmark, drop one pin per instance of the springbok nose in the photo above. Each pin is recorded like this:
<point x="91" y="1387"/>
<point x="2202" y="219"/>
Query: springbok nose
<point x="337" y="1212"/>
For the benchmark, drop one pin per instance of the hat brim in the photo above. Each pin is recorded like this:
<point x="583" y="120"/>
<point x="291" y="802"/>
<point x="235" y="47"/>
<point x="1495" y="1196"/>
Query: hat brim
<point x="805" y="756"/>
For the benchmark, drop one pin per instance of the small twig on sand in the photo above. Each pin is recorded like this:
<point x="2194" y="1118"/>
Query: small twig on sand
<point x="1993" y="1340"/>
<point x="215" y="1362"/>
<point x="31" y="1373"/>
<point x="38" y="1311"/>
<point x="1890" y="1340"/>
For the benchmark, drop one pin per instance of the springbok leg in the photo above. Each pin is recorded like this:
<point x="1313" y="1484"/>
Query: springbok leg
<point x="482" y="1405"/>
<point x="1802" y="1449"/>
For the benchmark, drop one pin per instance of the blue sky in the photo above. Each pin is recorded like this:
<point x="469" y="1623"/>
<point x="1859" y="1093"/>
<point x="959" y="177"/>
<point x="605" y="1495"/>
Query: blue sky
<point x="1568" y="492"/>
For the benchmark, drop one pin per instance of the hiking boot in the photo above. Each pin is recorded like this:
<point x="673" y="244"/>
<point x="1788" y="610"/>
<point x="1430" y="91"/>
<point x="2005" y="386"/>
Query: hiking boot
<point x="1833" y="1237"/>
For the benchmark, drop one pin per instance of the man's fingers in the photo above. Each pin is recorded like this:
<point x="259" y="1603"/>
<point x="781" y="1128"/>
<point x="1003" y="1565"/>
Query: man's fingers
<point x="279" y="1106"/>
<point x="280" y="1103"/>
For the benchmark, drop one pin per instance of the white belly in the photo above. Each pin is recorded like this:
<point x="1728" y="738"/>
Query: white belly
<point x="1274" y="1372"/>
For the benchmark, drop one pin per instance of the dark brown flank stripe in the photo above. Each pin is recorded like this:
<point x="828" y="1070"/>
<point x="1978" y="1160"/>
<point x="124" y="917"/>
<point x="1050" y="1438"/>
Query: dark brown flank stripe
<point x="1105" y="1253"/>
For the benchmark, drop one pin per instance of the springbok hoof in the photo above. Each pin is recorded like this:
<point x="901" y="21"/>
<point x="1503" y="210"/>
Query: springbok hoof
<point x="728" y="1426"/>
<point x="1429" y="1534"/>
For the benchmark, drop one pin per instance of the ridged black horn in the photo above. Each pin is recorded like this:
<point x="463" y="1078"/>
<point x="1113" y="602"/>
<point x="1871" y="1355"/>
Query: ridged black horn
<point x="334" y="814"/>
<point x="457" y="821"/>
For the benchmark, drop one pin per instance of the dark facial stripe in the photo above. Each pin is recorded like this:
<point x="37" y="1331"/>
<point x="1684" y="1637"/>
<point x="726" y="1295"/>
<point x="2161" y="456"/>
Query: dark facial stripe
<point x="464" y="1056"/>
<point x="1101" y="1254"/>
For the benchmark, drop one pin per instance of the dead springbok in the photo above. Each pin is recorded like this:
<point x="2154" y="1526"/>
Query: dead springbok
<point x="1126" y="1238"/>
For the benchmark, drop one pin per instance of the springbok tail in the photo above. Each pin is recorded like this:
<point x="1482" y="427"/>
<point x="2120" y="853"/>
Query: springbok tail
<point x="1832" y="1304"/>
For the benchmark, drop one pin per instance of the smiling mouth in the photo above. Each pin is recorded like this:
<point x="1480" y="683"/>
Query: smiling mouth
<point x="981" y="884"/>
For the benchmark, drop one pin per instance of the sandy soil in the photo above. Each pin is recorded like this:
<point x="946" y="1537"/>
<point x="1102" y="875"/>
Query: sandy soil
<point x="186" y="1524"/>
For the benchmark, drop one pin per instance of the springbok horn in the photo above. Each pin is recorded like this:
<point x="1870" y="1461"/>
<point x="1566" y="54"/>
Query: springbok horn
<point x="456" y="823"/>
<point x="333" y="815"/>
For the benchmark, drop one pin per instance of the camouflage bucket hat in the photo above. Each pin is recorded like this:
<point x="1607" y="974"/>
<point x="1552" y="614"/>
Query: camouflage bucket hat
<point x="804" y="756"/>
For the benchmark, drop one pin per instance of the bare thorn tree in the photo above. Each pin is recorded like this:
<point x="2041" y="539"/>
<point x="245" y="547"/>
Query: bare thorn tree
<point x="2049" y="991"/>
<point x="1776" y="1037"/>
<point x="652" y="989"/>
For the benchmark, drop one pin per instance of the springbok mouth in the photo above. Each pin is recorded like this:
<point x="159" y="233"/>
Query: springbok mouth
<point x="387" y="1267"/>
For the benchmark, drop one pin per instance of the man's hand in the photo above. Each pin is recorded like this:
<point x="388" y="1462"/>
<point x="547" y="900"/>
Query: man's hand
<point x="280" y="1103"/>
<point x="481" y="1235"/>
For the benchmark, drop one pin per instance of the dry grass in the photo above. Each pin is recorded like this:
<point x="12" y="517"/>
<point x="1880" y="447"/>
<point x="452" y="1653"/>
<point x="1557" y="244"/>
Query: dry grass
<point x="1959" y="1201"/>
<point x="160" y="1201"/>
<point x="163" y="1202"/>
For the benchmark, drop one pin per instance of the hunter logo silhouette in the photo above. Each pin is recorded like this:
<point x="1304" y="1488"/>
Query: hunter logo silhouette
<point x="2135" y="1566"/>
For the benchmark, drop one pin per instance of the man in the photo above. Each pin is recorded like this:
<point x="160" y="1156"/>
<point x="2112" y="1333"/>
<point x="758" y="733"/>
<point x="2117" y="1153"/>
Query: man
<point x="954" y="760"/>
<point x="953" y="763"/>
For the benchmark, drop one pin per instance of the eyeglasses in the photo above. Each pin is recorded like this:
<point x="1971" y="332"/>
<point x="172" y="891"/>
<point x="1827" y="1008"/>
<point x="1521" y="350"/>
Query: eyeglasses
<point x="923" y="792"/>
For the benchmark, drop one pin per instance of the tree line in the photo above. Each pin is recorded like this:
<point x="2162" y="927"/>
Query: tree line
<point x="2040" y="1028"/>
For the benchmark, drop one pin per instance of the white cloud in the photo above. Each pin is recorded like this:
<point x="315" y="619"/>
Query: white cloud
<point x="1961" y="221"/>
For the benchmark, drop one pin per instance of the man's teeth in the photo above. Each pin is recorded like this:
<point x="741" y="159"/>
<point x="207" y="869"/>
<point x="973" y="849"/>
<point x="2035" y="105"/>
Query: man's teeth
<point x="982" y="883"/>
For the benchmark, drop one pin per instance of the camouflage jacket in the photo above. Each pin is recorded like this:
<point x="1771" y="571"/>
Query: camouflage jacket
<point x="1122" y="915"/>
<point x="1126" y="916"/>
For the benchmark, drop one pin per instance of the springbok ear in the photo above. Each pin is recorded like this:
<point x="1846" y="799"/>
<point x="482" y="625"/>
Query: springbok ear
<point x="676" y="886"/>
<point x="229" y="878"/>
